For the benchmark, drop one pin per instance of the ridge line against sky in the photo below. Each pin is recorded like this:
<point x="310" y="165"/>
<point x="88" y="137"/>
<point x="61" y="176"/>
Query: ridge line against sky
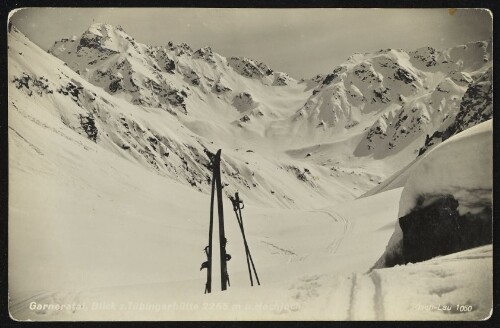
<point x="300" y="42"/>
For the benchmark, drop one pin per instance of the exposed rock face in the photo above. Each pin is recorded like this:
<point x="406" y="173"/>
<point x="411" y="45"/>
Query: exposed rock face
<point x="29" y="83"/>
<point x="169" y="65"/>
<point x="206" y="54"/>
<point x="281" y="79"/>
<point x="244" y="101"/>
<point x="115" y="86"/>
<point x="220" y="88"/>
<point x="192" y="77"/>
<point x="476" y="107"/>
<point x="438" y="229"/>
<point x="88" y="125"/>
<point x="427" y="56"/>
<point x="249" y="68"/>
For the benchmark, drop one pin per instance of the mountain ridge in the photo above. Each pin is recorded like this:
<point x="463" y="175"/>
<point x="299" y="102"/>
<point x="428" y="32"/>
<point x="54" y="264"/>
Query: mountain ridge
<point x="157" y="140"/>
<point x="369" y="117"/>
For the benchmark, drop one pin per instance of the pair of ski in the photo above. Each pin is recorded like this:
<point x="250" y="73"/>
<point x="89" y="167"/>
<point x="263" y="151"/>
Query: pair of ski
<point x="237" y="207"/>
<point x="224" y="257"/>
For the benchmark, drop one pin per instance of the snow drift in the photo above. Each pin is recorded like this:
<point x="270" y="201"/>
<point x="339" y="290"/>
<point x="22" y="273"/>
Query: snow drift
<point x="459" y="169"/>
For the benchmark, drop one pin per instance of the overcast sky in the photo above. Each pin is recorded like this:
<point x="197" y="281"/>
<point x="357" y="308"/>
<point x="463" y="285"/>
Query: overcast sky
<point x="300" y="42"/>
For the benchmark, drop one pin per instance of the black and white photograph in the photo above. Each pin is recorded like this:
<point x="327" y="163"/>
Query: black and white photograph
<point x="250" y="164"/>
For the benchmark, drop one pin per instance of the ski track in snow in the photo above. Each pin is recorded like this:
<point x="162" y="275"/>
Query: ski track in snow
<point x="45" y="126"/>
<point x="346" y="226"/>
<point x="365" y="299"/>
<point x="352" y="295"/>
<point x="361" y="305"/>
<point x="378" y="300"/>
<point x="283" y="251"/>
<point x="29" y="143"/>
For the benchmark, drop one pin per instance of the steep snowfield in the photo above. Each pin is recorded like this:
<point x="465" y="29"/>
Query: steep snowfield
<point x="158" y="141"/>
<point x="109" y="191"/>
<point x="88" y="226"/>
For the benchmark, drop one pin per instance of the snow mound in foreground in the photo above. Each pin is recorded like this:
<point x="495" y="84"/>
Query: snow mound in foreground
<point x="452" y="287"/>
<point x="460" y="168"/>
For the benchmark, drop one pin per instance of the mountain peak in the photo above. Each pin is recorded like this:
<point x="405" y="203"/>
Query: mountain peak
<point x="104" y="38"/>
<point x="103" y="29"/>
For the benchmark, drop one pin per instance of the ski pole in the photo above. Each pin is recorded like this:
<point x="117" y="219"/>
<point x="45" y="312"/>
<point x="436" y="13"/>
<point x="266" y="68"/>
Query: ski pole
<point x="237" y="209"/>
<point x="244" y="238"/>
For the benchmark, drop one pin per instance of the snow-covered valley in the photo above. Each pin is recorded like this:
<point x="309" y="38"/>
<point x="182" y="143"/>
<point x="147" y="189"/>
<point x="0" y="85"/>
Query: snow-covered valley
<point x="109" y="181"/>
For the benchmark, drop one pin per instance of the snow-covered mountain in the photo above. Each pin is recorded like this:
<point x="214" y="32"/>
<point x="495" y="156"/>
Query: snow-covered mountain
<point x="169" y="142"/>
<point x="109" y="146"/>
<point x="401" y="96"/>
<point x="405" y="94"/>
<point x="172" y="77"/>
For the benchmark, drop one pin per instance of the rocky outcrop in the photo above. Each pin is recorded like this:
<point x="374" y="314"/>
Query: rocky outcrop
<point x="436" y="228"/>
<point x="439" y="229"/>
<point x="249" y="68"/>
<point x="206" y="54"/>
<point x="281" y="79"/>
<point x="244" y="101"/>
<point x="30" y="84"/>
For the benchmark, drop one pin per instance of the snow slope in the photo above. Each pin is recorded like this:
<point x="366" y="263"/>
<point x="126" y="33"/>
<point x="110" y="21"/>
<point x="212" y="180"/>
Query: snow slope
<point x="109" y="200"/>
<point x="158" y="141"/>
<point x="116" y="232"/>
<point x="117" y="246"/>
